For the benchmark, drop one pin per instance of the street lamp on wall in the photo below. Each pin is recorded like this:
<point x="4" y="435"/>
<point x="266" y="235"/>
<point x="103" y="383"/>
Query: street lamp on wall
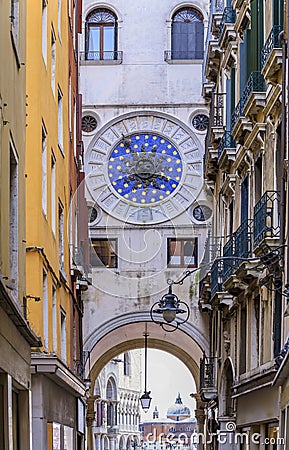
<point x="145" y="399"/>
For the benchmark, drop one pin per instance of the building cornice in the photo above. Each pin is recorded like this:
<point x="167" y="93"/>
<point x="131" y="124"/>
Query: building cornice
<point x="49" y="365"/>
<point x="12" y="308"/>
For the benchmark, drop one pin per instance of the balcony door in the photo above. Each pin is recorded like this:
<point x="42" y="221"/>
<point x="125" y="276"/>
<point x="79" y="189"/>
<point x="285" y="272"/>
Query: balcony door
<point x="101" y="35"/>
<point x="245" y="200"/>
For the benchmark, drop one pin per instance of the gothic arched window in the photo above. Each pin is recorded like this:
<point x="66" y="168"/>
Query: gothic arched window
<point x="101" y="35"/>
<point x="187" y="34"/>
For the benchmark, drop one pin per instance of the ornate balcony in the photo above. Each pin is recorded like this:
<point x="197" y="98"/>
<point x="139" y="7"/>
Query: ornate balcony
<point x="271" y="57"/>
<point x="267" y="219"/>
<point x="216" y="21"/>
<point x="230" y="55"/>
<point x="243" y="19"/>
<point x="78" y="368"/>
<point x="216" y="277"/>
<point x="254" y="94"/>
<point x="217" y="117"/>
<point x="213" y="60"/>
<point x="226" y="149"/>
<point x="240" y="124"/>
<point x="236" y="4"/>
<point x="101" y="57"/>
<point x="226" y="31"/>
<point x="208" y="378"/>
<point x="237" y="249"/>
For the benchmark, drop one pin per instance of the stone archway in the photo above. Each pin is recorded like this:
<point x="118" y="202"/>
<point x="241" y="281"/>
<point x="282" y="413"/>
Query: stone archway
<point x="126" y="333"/>
<point x="226" y="402"/>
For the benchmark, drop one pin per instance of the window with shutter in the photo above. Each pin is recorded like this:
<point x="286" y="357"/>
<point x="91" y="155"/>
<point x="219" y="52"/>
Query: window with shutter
<point x="187" y="34"/>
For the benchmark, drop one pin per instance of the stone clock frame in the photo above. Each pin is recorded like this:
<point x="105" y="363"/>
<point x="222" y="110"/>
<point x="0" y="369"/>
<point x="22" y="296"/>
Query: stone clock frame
<point x="151" y="122"/>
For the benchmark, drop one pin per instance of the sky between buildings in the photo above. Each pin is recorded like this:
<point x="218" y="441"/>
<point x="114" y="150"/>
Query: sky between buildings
<point x="167" y="376"/>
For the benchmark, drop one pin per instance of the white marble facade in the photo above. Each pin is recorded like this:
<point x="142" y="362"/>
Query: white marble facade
<point x="142" y="90"/>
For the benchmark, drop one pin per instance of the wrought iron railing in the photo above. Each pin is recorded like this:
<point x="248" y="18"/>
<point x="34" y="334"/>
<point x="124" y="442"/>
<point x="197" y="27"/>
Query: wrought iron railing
<point x="217" y="277"/>
<point x="266" y="217"/>
<point x="226" y="141"/>
<point x="271" y="43"/>
<point x="255" y="83"/>
<point x="229" y="16"/>
<point x="238" y="246"/>
<point x="229" y="264"/>
<point x="216" y="116"/>
<point x="207" y="372"/>
<point x="243" y="240"/>
<point x="78" y="368"/>
<point x="237" y="113"/>
<point x="101" y="56"/>
<point x="218" y="110"/>
<point x="180" y="55"/>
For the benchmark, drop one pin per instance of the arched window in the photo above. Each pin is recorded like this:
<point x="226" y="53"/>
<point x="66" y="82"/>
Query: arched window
<point x="126" y="364"/>
<point x="101" y="35"/>
<point x="111" y="397"/>
<point x="187" y="34"/>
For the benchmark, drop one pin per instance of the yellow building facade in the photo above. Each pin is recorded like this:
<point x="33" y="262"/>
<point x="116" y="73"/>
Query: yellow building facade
<point x="16" y="337"/>
<point x="54" y="302"/>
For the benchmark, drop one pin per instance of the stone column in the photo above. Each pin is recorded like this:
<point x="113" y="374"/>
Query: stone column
<point x="200" y="415"/>
<point x="97" y="442"/>
<point x="227" y="433"/>
<point x="112" y="443"/>
<point x="90" y="418"/>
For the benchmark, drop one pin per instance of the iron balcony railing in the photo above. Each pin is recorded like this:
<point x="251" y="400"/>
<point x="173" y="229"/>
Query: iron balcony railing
<point x="101" y="56"/>
<point x="226" y="141"/>
<point x="207" y="372"/>
<point x="216" y="116"/>
<point x="78" y="368"/>
<point x="217" y="277"/>
<point x="271" y="43"/>
<point x="237" y="247"/>
<point x="182" y="55"/>
<point x="255" y="83"/>
<point x="229" y="16"/>
<point x="266" y="217"/>
<point x="217" y="109"/>
<point x="237" y="113"/>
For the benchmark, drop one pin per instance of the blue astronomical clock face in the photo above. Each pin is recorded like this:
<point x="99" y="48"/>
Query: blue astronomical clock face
<point x="144" y="168"/>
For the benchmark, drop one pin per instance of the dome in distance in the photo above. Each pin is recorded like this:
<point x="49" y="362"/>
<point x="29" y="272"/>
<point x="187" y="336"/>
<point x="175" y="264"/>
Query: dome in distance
<point x="178" y="411"/>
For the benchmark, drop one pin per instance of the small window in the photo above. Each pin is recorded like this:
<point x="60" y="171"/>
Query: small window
<point x="103" y="253"/>
<point x="14" y="17"/>
<point x="182" y="252"/>
<point x="44" y="170"/>
<point x="187" y="34"/>
<point x="61" y="235"/>
<point x="44" y="30"/>
<point x="126" y="364"/>
<point x="60" y="120"/>
<point x="101" y="35"/>
<point x="53" y="60"/>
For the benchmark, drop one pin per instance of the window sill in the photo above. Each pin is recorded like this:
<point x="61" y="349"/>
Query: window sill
<point x="171" y="266"/>
<point x="184" y="61"/>
<point x="100" y="62"/>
